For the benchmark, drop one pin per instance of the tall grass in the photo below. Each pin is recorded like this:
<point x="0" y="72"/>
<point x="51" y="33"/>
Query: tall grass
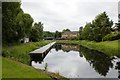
<point x="20" y="52"/>
<point x="111" y="48"/>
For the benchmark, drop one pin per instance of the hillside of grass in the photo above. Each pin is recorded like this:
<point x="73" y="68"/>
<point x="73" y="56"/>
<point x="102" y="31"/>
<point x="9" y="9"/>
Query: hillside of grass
<point x="111" y="48"/>
<point x="19" y="52"/>
<point x="14" y="69"/>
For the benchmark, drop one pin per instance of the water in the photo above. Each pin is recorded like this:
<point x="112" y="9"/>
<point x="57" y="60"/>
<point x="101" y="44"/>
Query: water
<point x="74" y="61"/>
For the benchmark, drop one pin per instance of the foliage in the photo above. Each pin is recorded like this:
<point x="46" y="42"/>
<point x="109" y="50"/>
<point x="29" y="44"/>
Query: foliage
<point x="112" y="36"/>
<point x="12" y="69"/>
<point x="36" y="32"/>
<point x="48" y="34"/>
<point x="80" y="32"/>
<point x="24" y="24"/>
<point x="15" y="23"/>
<point x="87" y="32"/>
<point x="57" y="34"/>
<point x="34" y="35"/>
<point x="64" y="30"/>
<point x="100" y="27"/>
<point x="10" y="11"/>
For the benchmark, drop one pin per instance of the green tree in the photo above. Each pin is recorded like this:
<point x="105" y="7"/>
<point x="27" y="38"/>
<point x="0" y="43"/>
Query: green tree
<point x="34" y="36"/>
<point x="80" y="32"/>
<point x="24" y="24"/>
<point x="16" y="23"/>
<point x="57" y="34"/>
<point x="10" y="11"/>
<point x="37" y="32"/>
<point x="64" y="30"/>
<point x="87" y="32"/>
<point x="101" y="26"/>
<point x="48" y="34"/>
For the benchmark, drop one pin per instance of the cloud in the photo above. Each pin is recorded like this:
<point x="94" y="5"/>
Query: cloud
<point x="60" y="14"/>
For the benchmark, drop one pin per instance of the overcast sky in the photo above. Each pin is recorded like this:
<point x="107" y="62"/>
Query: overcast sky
<point x="71" y="14"/>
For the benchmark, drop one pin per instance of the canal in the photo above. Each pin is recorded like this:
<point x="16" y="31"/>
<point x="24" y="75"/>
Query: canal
<point x="74" y="61"/>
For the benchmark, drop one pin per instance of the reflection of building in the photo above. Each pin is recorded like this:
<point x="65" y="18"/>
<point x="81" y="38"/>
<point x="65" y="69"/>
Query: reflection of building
<point x="70" y="47"/>
<point x="70" y="35"/>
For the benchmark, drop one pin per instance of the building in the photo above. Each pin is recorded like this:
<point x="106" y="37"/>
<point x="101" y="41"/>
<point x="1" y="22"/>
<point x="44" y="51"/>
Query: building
<point x="70" y="35"/>
<point x="24" y="40"/>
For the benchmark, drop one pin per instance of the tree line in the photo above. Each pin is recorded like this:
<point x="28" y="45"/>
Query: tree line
<point x="99" y="29"/>
<point x="17" y="25"/>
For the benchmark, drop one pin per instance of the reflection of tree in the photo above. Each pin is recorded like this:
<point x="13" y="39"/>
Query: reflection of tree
<point x="80" y="52"/>
<point x="118" y="68"/>
<point x="99" y="61"/>
<point x="57" y="47"/>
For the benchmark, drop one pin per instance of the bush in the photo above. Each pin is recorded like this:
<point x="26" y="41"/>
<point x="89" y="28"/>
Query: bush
<point x="112" y="36"/>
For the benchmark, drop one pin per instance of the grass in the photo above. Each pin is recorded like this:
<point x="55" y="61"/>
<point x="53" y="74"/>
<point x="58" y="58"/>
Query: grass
<point x="20" y="52"/>
<point x="0" y="67"/>
<point x="14" y="57"/>
<point x="14" y="69"/>
<point x="111" y="48"/>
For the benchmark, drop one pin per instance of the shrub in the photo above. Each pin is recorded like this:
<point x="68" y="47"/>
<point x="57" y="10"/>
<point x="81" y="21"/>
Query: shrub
<point x="112" y="36"/>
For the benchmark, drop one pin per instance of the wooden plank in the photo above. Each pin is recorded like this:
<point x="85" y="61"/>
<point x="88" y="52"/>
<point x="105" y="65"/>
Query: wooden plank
<point x="43" y="49"/>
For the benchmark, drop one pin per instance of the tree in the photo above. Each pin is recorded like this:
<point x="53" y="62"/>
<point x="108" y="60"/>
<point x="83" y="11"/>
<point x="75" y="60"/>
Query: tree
<point x="24" y="24"/>
<point x="64" y="30"/>
<point x="48" y="34"/>
<point x="87" y="32"/>
<point x="10" y="11"/>
<point x="34" y="35"/>
<point x="101" y="26"/>
<point x="16" y="23"/>
<point x="36" y="32"/>
<point x="80" y="32"/>
<point x="57" y="34"/>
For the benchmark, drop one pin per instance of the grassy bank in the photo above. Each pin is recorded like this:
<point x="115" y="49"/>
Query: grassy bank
<point x="0" y="67"/>
<point x="20" y="52"/>
<point x="111" y="48"/>
<point x="13" y="69"/>
<point x="14" y="57"/>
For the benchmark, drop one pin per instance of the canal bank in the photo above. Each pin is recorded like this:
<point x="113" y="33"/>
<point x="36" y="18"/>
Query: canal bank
<point x="74" y="61"/>
<point x="110" y="48"/>
<point x="16" y="61"/>
<point x="18" y="52"/>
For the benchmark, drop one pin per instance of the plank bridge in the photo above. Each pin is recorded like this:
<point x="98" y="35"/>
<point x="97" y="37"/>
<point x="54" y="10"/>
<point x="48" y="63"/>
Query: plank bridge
<point x="40" y="53"/>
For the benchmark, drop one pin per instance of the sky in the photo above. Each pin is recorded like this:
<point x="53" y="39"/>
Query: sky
<point x="71" y="14"/>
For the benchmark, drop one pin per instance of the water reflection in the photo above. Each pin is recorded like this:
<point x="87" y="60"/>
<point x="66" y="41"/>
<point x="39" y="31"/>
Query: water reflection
<point x="38" y="58"/>
<point x="101" y="63"/>
<point x="118" y="68"/>
<point x="66" y="47"/>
